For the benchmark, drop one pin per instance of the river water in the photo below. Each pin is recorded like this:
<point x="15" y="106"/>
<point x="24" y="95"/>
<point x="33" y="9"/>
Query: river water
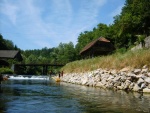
<point x="41" y="95"/>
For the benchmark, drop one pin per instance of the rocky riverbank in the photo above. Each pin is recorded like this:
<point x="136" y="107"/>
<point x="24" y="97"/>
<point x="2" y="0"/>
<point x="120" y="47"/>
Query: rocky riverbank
<point x="126" y="79"/>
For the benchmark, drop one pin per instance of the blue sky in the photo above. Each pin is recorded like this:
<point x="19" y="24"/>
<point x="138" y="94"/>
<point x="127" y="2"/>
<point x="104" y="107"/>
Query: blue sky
<point x="35" y="24"/>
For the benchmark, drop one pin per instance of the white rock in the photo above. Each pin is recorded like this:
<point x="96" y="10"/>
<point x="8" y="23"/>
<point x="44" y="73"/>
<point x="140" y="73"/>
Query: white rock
<point x="129" y="78"/>
<point x="145" y="66"/>
<point x="99" y="84"/>
<point x="91" y="83"/>
<point x="137" y="71"/>
<point x="144" y="70"/>
<point x="110" y="77"/>
<point x="139" y="76"/>
<point x="131" y="86"/>
<point x="113" y="72"/>
<point x="90" y="75"/>
<point x="143" y="85"/>
<point x="147" y="80"/>
<point x="148" y="74"/>
<point x="84" y="80"/>
<point x="123" y="78"/>
<point x="101" y="72"/>
<point x="136" y="88"/>
<point x="97" y="78"/>
<point x="96" y="71"/>
<point x="104" y="81"/>
<point x="140" y="81"/>
<point x="125" y="69"/>
<point x="105" y="77"/>
<point x="119" y="87"/>
<point x="117" y="78"/>
<point x="130" y="74"/>
<point x="146" y="90"/>
<point x="127" y="84"/>
<point x="117" y="84"/>
<point x="143" y="76"/>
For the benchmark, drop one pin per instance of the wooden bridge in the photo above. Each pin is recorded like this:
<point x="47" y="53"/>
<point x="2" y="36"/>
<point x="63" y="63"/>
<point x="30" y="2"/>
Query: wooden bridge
<point x="44" y="70"/>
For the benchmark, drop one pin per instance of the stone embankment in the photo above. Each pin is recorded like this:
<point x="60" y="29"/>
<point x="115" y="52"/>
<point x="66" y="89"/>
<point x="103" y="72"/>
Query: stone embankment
<point x="130" y="80"/>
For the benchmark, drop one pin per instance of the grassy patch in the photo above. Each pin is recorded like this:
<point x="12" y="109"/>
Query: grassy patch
<point x="136" y="59"/>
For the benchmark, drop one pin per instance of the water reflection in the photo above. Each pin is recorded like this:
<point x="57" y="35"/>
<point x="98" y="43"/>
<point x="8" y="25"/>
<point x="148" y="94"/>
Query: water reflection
<point x="100" y="100"/>
<point x="22" y="96"/>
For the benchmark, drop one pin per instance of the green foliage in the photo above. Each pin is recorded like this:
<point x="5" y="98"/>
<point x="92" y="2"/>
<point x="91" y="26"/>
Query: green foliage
<point x="2" y="43"/>
<point x="134" y="18"/>
<point x="140" y="38"/>
<point x="7" y="44"/>
<point x="121" y="50"/>
<point x="6" y="71"/>
<point x="66" y="53"/>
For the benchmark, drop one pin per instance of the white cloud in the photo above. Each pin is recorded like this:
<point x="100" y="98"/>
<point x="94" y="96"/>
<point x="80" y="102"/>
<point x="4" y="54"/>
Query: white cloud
<point x="10" y="10"/>
<point x="49" y="22"/>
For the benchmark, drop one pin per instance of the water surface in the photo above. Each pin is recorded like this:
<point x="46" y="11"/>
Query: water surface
<point x="46" y="96"/>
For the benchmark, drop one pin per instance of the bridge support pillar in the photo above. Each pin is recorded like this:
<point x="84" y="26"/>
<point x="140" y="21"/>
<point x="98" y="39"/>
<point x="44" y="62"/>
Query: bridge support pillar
<point x="44" y="71"/>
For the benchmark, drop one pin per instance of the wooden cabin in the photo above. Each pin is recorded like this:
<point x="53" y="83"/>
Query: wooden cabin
<point x="98" y="47"/>
<point x="9" y="54"/>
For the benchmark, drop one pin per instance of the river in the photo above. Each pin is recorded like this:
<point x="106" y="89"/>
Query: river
<point x="41" y="95"/>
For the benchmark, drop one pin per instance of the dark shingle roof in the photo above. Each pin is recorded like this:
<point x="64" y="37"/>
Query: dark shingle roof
<point x="92" y="43"/>
<point x="10" y="54"/>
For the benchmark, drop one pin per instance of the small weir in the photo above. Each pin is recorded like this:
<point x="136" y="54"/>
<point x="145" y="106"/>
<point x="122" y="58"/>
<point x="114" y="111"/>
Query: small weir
<point x="28" y="77"/>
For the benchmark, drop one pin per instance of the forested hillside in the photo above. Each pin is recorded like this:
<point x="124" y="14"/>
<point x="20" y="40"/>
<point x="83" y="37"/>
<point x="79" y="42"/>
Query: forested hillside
<point x="64" y="53"/>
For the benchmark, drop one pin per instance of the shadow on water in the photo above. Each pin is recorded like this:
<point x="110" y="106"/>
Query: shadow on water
<point x="40" y="96"/>
<point x="3" y="101"/>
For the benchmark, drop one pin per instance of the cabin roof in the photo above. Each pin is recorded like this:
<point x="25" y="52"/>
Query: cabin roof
<point x="88" y="46"/>
<point x="10" y="54"/>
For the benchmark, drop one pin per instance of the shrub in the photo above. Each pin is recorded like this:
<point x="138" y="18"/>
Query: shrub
<point x="6" y="71"/>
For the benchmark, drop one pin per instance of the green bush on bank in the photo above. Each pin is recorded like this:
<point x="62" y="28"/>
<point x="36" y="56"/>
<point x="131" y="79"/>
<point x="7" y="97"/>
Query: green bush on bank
<point x="6" y="71"/>
<point x="136" y="59"/>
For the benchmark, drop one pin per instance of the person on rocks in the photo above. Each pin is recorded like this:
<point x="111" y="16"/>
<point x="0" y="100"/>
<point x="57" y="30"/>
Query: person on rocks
<point x="50" y="73"/>
<point x="62" y="73"/>
<point x="59" y="74"/>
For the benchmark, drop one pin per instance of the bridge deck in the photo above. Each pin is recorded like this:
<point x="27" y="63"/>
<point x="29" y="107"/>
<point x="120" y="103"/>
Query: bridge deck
<point x="45" y="66"/>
